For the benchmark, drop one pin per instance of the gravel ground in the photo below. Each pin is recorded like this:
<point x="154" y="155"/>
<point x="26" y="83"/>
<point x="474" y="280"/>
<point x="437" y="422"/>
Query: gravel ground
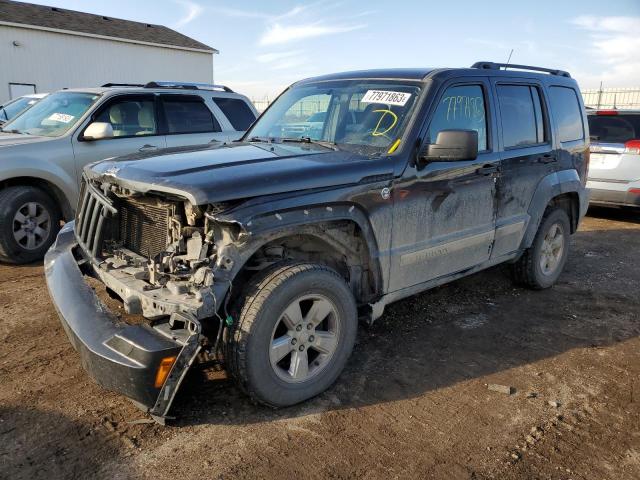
<point x="414" y="401"/>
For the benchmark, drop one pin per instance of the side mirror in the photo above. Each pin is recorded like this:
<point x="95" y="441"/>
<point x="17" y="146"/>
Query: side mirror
<point x="98" y="131"/>
<point x="451" y="146"/>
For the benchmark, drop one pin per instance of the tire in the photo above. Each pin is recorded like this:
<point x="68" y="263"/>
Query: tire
<point x="262" y="324"/>
<point x="26" y="241"/>
<point x="530" y="270"/>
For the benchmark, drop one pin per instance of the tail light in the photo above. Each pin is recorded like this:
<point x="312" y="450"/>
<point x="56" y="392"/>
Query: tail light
<point x="606" y="112"/>
<point x="632" y="146"/>
<point x="635" y="191"/>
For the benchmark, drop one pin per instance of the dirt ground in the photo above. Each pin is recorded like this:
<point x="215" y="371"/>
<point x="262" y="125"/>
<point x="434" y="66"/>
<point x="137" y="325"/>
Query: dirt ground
<point x="413" y="402"/>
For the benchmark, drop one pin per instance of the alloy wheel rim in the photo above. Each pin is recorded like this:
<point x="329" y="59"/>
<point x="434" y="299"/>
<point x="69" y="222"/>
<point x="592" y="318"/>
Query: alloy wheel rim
<point x="31" y="225"/>
<point x="305" y="338"/>
<point x="552" y="249"/>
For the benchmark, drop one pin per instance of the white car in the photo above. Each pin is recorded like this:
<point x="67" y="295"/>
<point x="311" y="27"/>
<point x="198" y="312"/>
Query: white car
<point x="13" y="107"/>
<point x="44" y="149"/>
<point x="614" y="167"/>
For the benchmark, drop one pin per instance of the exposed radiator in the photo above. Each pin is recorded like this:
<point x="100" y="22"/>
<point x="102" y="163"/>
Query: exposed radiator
<point x="143" y="227"/>
<point x="140" y="226"/>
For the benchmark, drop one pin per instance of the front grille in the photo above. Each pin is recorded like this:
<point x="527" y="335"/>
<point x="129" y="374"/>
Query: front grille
<point x="92" y="211"/>
<point x="143" y="226"/>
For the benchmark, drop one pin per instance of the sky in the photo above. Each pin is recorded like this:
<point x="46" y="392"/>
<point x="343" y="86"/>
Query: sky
<point x="267" y="45"/>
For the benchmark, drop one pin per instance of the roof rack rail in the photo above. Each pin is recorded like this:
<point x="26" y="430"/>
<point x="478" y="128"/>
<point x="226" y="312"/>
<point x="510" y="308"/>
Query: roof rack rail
<point x="111" y="84"/>
<point x="188" y="86"/>
<point x="498" y="66"/>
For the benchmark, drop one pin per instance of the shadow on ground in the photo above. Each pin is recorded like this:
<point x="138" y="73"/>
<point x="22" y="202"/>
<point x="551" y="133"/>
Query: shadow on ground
<point x="71" y="450"/>
<point x="470" y="328"/>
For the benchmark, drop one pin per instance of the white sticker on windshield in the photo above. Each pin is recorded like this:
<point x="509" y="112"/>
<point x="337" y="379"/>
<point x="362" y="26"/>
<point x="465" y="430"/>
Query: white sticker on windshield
<point x="386" y="97"/>
<point x="61" y="117"/>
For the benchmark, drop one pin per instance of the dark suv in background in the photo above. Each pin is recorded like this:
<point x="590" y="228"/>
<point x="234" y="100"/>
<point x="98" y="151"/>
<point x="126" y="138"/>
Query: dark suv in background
<point x="265" y="252"/>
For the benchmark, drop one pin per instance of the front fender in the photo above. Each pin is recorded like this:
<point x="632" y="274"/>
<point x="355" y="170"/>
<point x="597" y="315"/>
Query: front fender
<point x="265" y="222"/>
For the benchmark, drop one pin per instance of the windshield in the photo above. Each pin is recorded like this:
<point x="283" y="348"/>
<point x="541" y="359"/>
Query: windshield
<point x="367" y="117"/>
<point x="11" y="109"/>
<point x="614" y="128"/>
<point x="52" y="116"/>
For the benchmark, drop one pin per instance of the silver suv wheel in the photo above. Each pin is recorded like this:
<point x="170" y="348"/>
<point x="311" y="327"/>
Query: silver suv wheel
<point x="305" y="338"/>
<point x="552" y="249"/>
<point x="31" y="225"/>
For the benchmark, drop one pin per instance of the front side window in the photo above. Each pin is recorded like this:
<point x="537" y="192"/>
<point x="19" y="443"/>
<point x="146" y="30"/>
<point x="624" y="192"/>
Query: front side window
<point x="186" y="114"/>
<point x="461" y="108"/>
<point x="54" y="115"/>
<point x="130" y="117"/>
<point x="363" y="116"/>
<point x="237" y="112"/>
<point x="521" y="116"/>
<point x="566" y="110"/>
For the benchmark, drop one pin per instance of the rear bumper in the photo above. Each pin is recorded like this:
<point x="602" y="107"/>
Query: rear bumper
<point x="614" y="194"/>
<point x="120" y="357"/>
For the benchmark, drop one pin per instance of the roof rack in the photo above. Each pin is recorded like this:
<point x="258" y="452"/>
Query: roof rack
<point x="188" y="86"/>
<point x="110" y="84"/>
<point x="498" y="66"/>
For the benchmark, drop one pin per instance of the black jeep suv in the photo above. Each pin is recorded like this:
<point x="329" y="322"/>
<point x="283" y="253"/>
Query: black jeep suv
<point x="266" y="252"/>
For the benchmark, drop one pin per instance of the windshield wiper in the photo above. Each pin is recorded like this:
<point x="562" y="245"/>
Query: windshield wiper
<point x="15" y="130"/>
<point x="322" y="143"/>
<point x="261" y="139"/>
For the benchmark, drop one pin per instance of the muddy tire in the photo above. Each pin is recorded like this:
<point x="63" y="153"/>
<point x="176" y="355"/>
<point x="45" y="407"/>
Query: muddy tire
<point x="29" y="223"/>
<point x="293" y="332"/>
<point x="542" y="263"/>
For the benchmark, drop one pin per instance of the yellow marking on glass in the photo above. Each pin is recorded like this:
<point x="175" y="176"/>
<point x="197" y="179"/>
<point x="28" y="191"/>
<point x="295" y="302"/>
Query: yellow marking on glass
<point x="385" y="112"/>
<point x="394" y="147"/>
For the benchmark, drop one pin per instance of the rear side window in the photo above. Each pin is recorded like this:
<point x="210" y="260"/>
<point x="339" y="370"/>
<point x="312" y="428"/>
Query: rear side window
<point x="237" y="111"/>
<point x="614" y="128"/>
<point x="184" y="114"/>
<point x="566" y="111"/>
<point x="461" y="107"/>
<point x="521" y="115"/>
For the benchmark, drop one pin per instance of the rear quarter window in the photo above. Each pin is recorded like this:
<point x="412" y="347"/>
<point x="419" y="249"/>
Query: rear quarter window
<point x="567" y="113"/>
<point x="237" y="112"/>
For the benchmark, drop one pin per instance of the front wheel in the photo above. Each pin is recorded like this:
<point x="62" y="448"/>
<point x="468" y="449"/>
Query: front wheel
<point x="293" y="335"/>
<point x="29" y="222"/>
<point x="543" y="262"/>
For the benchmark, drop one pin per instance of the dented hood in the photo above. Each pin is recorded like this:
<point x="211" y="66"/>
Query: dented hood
<point x="209" y="174"/>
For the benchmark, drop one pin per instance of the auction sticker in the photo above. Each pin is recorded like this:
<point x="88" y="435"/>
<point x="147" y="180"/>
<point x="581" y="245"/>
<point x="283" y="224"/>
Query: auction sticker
<point x="61" y="117"/>
<point x="387" y="97"/>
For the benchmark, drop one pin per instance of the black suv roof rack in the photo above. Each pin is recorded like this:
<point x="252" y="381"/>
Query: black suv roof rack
<point x="498" y="66"/>
<point x="188" y="86"/>
<point x="110" y="84"/>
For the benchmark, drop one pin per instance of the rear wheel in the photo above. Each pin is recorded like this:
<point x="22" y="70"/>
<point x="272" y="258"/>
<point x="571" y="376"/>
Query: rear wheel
<point x="29" y="222"/>
<point x="542" y="263"/>
<point x="293" y="335"/>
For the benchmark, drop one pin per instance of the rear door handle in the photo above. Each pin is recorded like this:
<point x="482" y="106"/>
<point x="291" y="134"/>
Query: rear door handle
<point x="487" y="170"/>
<point x="546" y="158"/>
<point x="147" y="147"/>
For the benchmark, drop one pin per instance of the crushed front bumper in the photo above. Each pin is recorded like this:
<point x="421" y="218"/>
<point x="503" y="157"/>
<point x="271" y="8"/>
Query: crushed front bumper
<point x="120" y="357"/>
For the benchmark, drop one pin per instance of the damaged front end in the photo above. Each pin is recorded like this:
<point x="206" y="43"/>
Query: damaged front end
<point x="162" y="257"/>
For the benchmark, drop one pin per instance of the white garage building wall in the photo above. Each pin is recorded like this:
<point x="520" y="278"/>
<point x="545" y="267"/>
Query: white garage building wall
<point x="54" y="60"/>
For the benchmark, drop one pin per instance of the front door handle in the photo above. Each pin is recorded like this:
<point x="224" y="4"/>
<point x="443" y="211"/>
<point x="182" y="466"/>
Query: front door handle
<point x="147" y="147"/>
<point x="546" y="158"/>
<point x="487" y="170"/>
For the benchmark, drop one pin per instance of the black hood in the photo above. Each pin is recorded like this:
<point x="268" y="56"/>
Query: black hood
<point x="209" y="174"/>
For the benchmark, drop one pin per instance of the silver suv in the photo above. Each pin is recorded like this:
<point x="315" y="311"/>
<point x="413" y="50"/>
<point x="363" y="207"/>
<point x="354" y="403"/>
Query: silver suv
<point x="44" y="149"/>
<point x="614" y="168"/>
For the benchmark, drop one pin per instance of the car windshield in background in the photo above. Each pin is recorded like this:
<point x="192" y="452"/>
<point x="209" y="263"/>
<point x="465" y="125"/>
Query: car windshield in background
<point x="12" y="109"/>
<point x="614" y="127"/>
<point x="367" y="117"/>
<point x="52" y="116"/>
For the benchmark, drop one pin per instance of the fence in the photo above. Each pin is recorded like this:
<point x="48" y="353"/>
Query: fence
<point x="612" y="97"/>
<point x="596" y="98"/>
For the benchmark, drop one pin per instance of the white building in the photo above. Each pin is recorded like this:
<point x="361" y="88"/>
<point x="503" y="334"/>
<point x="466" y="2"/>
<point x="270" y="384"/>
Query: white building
<point x="44" y="49"/>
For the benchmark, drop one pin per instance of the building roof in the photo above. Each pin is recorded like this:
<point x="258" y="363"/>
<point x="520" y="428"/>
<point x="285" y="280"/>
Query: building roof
<point x="55" y="18"/>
